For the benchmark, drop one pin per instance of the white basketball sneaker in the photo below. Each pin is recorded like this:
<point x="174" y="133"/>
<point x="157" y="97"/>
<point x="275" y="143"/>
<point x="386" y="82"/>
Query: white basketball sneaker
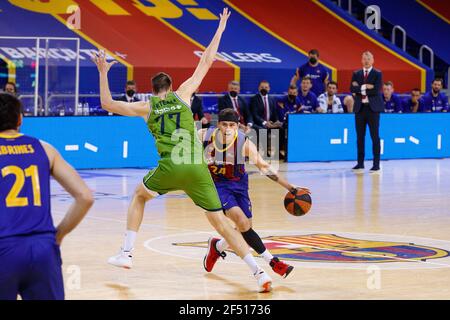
<point x="264" y="281"/>
<point x="122" y="260"/>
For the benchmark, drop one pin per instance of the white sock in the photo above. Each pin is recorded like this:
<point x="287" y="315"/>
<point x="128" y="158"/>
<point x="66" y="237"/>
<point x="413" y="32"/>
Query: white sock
<point x="221" y="245"/>
<point x="250" y="261"/>
<point x="130" y="238"/>
<point x="267" y="256"/>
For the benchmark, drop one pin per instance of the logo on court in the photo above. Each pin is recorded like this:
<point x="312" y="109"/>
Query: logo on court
<point x="330" y="248"/>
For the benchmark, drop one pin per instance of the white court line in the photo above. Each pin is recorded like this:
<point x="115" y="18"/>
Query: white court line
<point x="90" y="147"/>
<point x="414" y="140"/>
<point x="209" y="232"/>
<point x="72" y="147"/>
<point x="335" y="141"/>
<point x="125" y="149"/>
<point x="124" y="222"/>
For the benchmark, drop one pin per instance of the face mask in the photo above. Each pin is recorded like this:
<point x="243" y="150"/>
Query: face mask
<point x="263" y="92"/>
<point x="313" y="60"/>
<point x="291" y="97"/>
<point x="130" y="93"/>
<point x="233" y="94"/>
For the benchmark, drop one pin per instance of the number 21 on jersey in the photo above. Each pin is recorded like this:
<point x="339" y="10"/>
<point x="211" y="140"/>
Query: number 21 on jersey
<point x="13" y="199"/>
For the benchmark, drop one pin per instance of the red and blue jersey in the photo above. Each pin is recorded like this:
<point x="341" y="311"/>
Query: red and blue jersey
<point x="24" y="187"/>
<point x="288" y="106"/>
<point x="225" y="162"/>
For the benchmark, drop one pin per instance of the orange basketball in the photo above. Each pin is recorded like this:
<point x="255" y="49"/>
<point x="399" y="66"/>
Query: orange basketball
<point x="298" y="203"/>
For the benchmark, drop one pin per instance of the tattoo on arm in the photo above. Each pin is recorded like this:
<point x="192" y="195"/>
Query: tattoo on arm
<point x="271" y="175"/>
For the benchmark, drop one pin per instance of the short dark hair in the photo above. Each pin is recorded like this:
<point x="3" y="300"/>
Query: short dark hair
<point x="389" y="83"/>
<point x="11" y="83"/>
<point x="131" y="83"/>
<point x="10" y="110"/>
<point x="228" y="114"/>
<point x="332" y="82"/>
<point x="307" y="78"/>
<point x="293" y="87"/>
<point x="314" y="51"/>
<point x="160" y="82"/>
<point x="438" y="79"/>
<point x="415" y="89"/>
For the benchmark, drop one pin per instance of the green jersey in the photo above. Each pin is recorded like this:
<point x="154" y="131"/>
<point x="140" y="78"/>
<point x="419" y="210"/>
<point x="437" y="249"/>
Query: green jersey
<point x="172" y="125"/>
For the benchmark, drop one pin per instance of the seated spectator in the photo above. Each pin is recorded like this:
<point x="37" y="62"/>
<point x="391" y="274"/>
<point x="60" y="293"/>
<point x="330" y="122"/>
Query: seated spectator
<point x="265" y="116"/>
<point x="197" y="110"/>
<point x="328" y="101"/>
<point x="10" y="87"/>
<point x="392" y="102"/>
<point x="412" y="104"/>
<point x="315" y="71"/>
<point x="288" y="104"/>
<point x="263" y="108"/>
<point x="130" y="92"/>
<point x="234" y="101"/>
<point x="434" y="100"/>
<point x="308" y="100"/>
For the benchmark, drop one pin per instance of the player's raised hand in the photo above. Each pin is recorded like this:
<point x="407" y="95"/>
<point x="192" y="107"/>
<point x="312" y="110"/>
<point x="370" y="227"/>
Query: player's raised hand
<point x="223" y="19"/>
<point x="99" y="59"/>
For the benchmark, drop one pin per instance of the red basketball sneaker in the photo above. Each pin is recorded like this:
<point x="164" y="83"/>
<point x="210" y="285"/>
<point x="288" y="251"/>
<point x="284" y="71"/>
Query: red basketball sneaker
<point x="280" y="267"/>
<point x="212" y="255"/>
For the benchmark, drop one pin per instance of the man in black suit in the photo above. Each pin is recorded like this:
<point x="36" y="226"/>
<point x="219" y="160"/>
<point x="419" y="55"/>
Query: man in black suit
<point x="263" y="108"/>
<point x="264" y="112"/>
<point x="234" y="101"/>
<point x="365" y="87"/>
<point x="130" y="92"/>
<point x="197" y="110"/>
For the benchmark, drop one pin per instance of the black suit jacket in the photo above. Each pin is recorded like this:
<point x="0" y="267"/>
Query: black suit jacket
<point x="124" y="98"/>
<point x="257" y="109"/>
<point x="197" y="107"/>
<point x="375" y="78"/>
<point x="225" y="102"/>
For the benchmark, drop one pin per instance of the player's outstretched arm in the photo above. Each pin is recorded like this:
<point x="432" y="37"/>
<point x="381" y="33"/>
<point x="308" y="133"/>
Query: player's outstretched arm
<point x="133" y="109"/>
<point x="251" y="151"/>
<point x="186" y="90"/>
<point x="69" y="179"/>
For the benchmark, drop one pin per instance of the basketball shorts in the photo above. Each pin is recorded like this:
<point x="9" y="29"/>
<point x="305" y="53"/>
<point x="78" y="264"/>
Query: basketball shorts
<point x="31" y="267"/>
<point x="235" y="194"/>
<point x="194" y="179"/>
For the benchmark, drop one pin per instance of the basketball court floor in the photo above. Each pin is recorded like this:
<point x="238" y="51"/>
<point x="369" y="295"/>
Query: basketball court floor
<point x="383" y="236"/>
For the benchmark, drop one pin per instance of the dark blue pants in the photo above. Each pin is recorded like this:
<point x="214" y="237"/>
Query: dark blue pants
<point x="30" y="266"/>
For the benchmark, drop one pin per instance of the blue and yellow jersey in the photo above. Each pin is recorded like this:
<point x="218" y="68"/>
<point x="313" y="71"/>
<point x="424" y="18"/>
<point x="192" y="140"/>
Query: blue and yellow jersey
<point x="225" y="162"/>
<point x="24" y="187"/>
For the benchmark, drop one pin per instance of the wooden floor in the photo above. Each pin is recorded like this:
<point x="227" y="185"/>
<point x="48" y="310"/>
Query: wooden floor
<point x="336" y="249"/>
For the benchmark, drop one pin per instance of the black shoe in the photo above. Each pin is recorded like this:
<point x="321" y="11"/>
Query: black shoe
<point x="375" y="169"/>
<point x="358" y="167"/>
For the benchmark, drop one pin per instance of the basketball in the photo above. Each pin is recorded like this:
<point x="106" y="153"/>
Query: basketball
<point x="298" y="203"/>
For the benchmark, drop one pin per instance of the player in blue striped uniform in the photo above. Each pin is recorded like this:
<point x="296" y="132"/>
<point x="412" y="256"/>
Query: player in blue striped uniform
<point x="30" y="259"/>
<point x="226" y="149"/>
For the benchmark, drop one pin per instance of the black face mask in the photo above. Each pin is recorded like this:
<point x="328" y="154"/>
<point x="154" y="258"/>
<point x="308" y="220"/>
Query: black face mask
<point x="292" y="97"/>
<point x="263" y="92"/>
<point x="233" y="94"/>
<point x="130" y="93"/>
<point x="313" y="60"/>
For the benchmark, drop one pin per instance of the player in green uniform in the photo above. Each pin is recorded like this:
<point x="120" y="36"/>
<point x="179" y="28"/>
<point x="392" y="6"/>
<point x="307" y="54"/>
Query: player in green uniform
<point x="182" y="165"/>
